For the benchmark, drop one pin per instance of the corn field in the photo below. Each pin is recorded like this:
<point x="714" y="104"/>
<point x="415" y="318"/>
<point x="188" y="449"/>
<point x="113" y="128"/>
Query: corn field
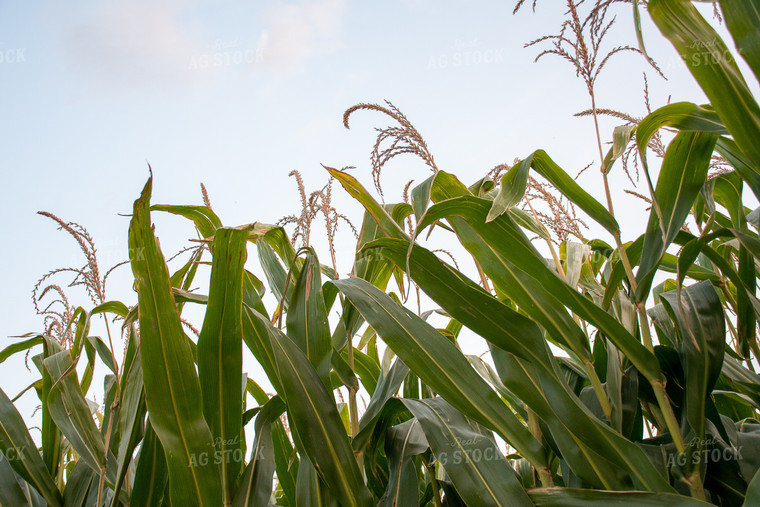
<point x="616" y="373"/>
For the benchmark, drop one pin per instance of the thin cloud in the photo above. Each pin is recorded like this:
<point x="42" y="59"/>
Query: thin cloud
<point x="298" y="31"/>
<point x="132" y="43"/>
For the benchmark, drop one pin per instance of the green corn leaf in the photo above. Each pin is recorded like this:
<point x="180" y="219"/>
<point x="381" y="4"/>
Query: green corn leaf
<point x="753" y="491"/>
<point x="421" y="197"/>
<point x="533" y="298"/>
<point x="115" y="307"/>
<point x="368" y="370"/>
<point x="172" y="389"/>
<point x="747" y="304"/>
<point x="89" y="369"/>
<point x="387" y="387"/>
<point x="713" y="66"/>
<point x="256" y="486"/>
<point x="315" y="420"/>
<point x="570" y="497"/>
<point x="743" y="21"/>
<point x="307" y="317"/>
<point x="51" y="435"/>
<point x="451" y="495"/>
<point x="699" y="319"/>
<point x="311" y="490"/>
<point x="375" y="269"/>
<point x="19" y="449"/>
<point x="621" y="136"/>
<point x="256" y="338"/>
<point x="204" y="219"/>
<point x="343" y="371"/>
<point x="20" y="347"/>
<point x="727" y="191"/>
<point x="387" y="225"/>
<point x="256" y="391"/>
<point x="476" y="466"/>
<point x="131" y="414"/>
<point x="184" y="276"/>
<point x="401" y="443"/>
<point x="509" y="252"/>
<point x="439" y="364"/>
<point x="728" y="150"/>
<point x="694" y="246"/>
<point x="683" y="172"/>
<point x="71" y="412"/>
<point x="151" y="473"/>
<point x="637" y="26"/>
<point x="251" y="293"/>
<point x="467" y="302"/>
<point x="273" y="270"/>
<point x="374" y="454"/>
<point x="81" y="321"/>
<point x="104" y="353"/>
<point x="80" y="485"/>
<point x="286" y="462"/>
<point x="594" y="451"/>
<point x="538" y="300"/>
<point x="617" y="274"/>
<point x="509" y="330"/>
<point x="528" y="222"/>
<point x="10" y="490"/>
<point x="489" y="374"/>
<point x="513" y="188"/>
<point x="684" y="116"/>
<point x="277" y="238"/>
<point x="220" y="353"/>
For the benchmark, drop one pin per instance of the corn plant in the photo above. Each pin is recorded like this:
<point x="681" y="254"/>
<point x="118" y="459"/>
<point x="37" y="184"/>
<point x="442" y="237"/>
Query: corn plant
<point x="615" y="374"/>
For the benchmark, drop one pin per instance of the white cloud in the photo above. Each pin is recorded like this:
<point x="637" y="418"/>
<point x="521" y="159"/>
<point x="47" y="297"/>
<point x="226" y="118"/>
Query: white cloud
<point x="297" y="31"/>
<point x="132" y="43"/>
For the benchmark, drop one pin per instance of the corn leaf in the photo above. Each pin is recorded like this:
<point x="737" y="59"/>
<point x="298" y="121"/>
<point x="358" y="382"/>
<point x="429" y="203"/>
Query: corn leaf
<point x="696" y="311"/>
<point x="743" y="21"/>
<point x="503" y="251"/>
<point x="172" y="389"/>
<point x="513" y="187"/>
<point x="204" y="219"/>
<point x="315" y="420"/>
<point x="19" y="449"/>
<point x="20" y="347"/>
<point x="439" y="364"/>
<point x="683" y="173"/>
<point x="255" y="488"/>
<point x="71" y="412"/>
<point x="307" y="317"/>
<point x="713" y="66"/>
<point x="151" y="473"/>
<point x="572" y="497"/>
<point x="401" y="443"/>
<point x="10" y="490"/>
<point x="476" y="466"/>
<point x="220" y="353"/>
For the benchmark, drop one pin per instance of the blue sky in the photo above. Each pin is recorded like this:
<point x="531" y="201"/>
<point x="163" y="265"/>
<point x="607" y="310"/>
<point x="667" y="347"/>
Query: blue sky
<point x="238" y="94"/>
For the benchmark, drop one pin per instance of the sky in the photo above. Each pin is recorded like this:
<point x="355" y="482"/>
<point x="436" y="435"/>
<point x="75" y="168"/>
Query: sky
<point x="236" y="95"/>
